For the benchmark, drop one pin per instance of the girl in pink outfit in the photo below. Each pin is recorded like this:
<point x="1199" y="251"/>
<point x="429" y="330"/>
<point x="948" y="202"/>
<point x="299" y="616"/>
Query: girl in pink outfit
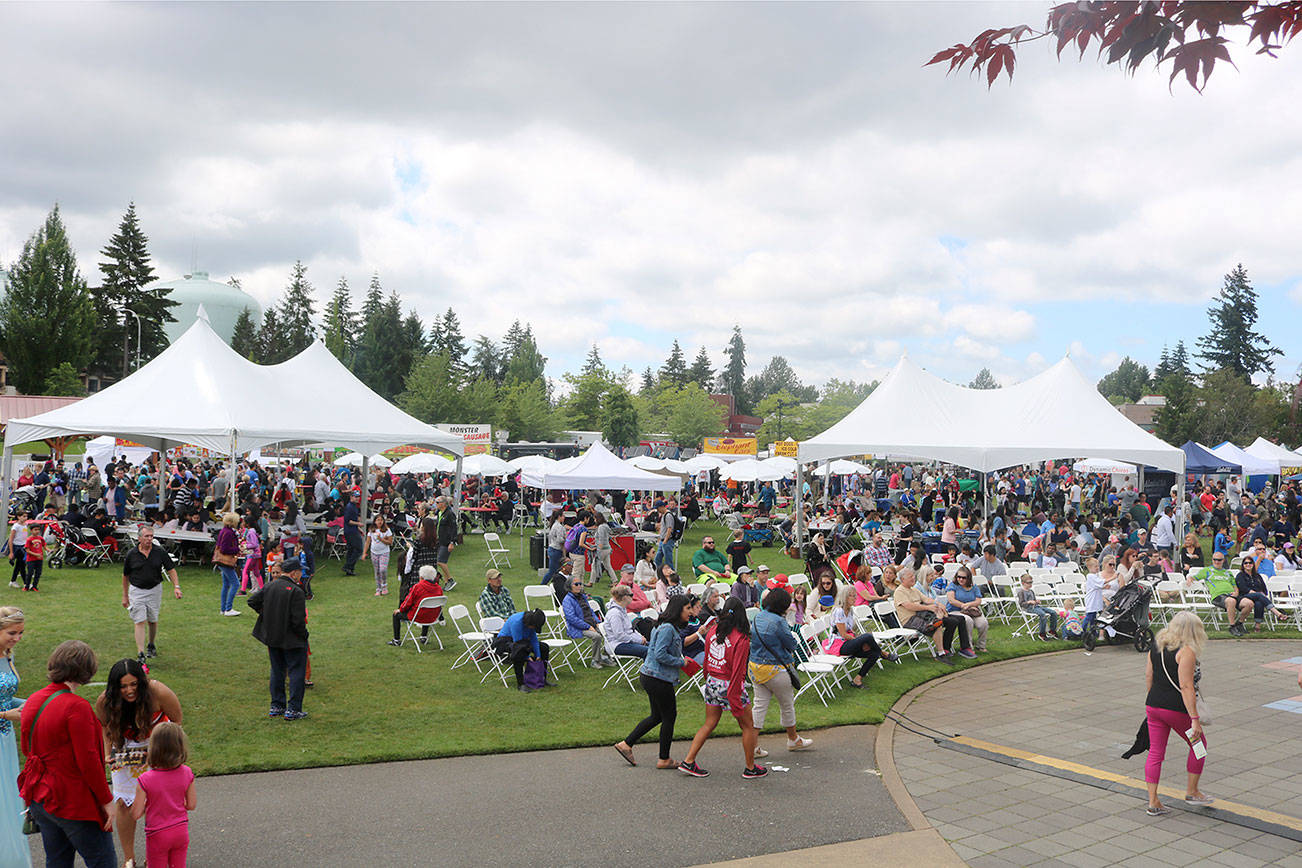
<point x="251" y="547"/>
<point x="165" y="796"/>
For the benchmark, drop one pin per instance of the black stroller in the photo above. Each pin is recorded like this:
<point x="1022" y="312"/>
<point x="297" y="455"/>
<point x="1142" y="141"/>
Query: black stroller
<point x="1127" y="616"/>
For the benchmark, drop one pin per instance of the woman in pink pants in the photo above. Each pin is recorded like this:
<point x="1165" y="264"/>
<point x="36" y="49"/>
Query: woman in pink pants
<point x="1172" y="704"/>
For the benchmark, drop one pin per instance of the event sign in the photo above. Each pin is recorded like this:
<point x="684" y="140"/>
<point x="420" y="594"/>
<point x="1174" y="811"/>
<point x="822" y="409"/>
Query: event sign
<point x="478" y="438"/>
<point x="784" y="448"/>
<point x="731" y="446"/>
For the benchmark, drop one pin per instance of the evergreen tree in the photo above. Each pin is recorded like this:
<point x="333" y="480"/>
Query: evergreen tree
<point x="486" y="360"/>
<point x="410" y="346"/>
<point x="271" y="339"/>
<point x="340" y="327"/>
<point x="387" y="363"/>
<point x="63" y="380"/>
<point x="777" y="376"/>
<point x="1127" y="383"/>
<point x="447" y="338"/>
<point x="619" y="426"/>
<point x="648" y="382"/>
<point x="127" y="272"/>
<point x="674" y="371"/>
<point x="511" y="342"/>
<point x="1232" y="343"/>
<point x="47" y="316"/>
<point x="368" y="361"/>
<point x="1178" y="419"/>
<point x="701" y="372"/>
<point x="244" y="339"/>
<point x="1163" y="369"/>
<point x="524" y="411"/>
<point x="1180" y="360"/>
<point x="593" y="363"/>
<point x="429" y="392"/>
<point x="296" y="312"/>
<point x="983" y="380"/>
<point x="526" y="364"/>
<point x="733" y="377"/>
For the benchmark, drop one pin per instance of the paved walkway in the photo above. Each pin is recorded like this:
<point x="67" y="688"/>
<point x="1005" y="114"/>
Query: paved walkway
<point x="1073" y="708"/>
<point x="564" y="807"/>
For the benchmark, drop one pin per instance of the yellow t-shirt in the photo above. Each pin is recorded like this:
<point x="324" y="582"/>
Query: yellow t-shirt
<point x="907" y="595"/>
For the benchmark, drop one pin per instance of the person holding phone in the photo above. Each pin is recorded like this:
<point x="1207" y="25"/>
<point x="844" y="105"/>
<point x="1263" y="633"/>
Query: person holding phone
<point x="1172" y="677"/>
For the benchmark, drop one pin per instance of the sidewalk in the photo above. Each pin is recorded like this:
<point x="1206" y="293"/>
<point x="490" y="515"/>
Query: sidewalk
<point x="1078" y="709"/>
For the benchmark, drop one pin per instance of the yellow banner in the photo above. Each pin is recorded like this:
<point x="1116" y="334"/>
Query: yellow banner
<point x="785" y="448"/>
<point x="731" y="445"/>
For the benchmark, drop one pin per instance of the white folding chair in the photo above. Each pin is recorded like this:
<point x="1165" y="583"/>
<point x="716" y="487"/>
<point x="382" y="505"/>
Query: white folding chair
<point x="1165" y="608"/>
<point x="476" y="641"/>
<point x="492" y="626"/>
<point x="626" y="665"/>
<point x="497" y="549"/>
<point x="541" y="597"/>
<point x="902" y="640"/>
<point x="426" y="615"/>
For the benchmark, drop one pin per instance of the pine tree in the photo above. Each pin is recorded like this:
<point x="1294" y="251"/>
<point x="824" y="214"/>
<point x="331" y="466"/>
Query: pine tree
<point x="47" y="316"/>
<point x="451" y="342"/>
<point x="511" y="342"/>
<point x="368" y="358"/>
<point x="296" y="312"/>
<point x="1232" y="343"/>
<point x="777" y="376"/>
<point x="270" y="343"/>
<point x="648" y="382"/>
<point x="1180" y="360"/>
<point x="410" y="346"/>
<point x="674" y="371"/>
<point x="1163" y="369"/>
<point x="527" y="364"/>
<point x="244" y="339"/>
<point x="127" y="272"/>
<point x="733" y="377"/>
<point x="983" y="380"/>
<point x="340" y="327"/>
<point x="486" y="360"/>
<point x="701" y="372"/>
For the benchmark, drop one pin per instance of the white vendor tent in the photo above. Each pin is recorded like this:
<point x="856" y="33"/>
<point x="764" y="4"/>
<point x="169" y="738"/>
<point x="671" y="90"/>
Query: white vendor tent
<point x="1103" y="465"/>
<point x="104" y="449"/>
<point x="1252" y="464"/>
<point x="1263" y="448"/>
<point x="598" y="468"/>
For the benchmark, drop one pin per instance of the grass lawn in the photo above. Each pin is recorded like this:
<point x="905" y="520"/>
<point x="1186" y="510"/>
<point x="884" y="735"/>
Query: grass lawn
<point x="373" y="702"/>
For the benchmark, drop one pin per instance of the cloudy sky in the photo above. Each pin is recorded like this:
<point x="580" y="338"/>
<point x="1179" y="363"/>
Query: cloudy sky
<point x="634" y="173"/>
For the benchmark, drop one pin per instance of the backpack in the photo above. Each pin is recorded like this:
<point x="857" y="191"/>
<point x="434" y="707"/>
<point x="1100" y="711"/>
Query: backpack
<point x="572" y="538"/>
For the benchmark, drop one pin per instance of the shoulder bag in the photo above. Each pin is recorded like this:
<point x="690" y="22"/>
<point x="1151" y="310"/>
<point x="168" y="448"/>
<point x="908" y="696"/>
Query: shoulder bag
<point x="791" y="670"/>
<point x="35" y="766"/>
<point x="1199" y="705"/>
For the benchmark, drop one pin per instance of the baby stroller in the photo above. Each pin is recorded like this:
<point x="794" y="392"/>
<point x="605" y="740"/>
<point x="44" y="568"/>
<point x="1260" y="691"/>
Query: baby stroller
<point x="759" y="533"/>
<point x="1127" y="616"/>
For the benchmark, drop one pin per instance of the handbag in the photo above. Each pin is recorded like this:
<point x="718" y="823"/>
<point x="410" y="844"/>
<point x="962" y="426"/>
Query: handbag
<point x="791" y="670"/>
<point x="535" y="674"/>
<point x="223" y="559"/>
<point x="832" y="645"/>
<point x="1199" y="705"/>
<point x="35" y="766"/>
<point x="924" y="622"/>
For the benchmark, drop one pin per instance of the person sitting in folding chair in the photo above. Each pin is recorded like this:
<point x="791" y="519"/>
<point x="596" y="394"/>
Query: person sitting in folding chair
<point x="518" y="642"/>
<point x="427" y="586"/>
<point x="581" y="623"/>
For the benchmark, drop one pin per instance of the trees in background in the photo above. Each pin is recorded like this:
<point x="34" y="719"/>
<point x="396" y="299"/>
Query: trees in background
<point x="127" y="274"/>
<point x="1127" y="383"/>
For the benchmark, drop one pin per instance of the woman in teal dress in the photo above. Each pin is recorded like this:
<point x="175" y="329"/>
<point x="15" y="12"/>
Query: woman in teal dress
<point x="13" y="843"/>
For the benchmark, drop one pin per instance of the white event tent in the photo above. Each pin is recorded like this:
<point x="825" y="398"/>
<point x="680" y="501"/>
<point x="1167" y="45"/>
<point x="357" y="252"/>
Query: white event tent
<point x="1253" y="465"/>
<point x="1103" y="465"/>
<point x="200" y="391"/>
<point x="597" y="468"/>
<point x="1055" y="414"/>
<point x="1263" y="448"/>
<point x="104" y="449"/>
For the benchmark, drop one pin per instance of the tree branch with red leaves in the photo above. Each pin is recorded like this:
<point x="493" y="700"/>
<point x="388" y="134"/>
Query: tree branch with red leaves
<point x="1190" y="35"/>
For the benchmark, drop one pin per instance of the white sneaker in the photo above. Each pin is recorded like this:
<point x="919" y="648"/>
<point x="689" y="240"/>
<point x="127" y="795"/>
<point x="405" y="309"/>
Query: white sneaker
<point x="230" y="612"/>
<point x="13" y="584"/>
<point x="800" y="743"/>
<point x="760" y="753"/>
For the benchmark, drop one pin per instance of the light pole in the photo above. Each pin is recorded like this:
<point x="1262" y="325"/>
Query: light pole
<point x="126" y="336"/>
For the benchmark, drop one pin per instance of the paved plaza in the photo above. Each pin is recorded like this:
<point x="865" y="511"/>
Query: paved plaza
<point x="1074" y="715"/>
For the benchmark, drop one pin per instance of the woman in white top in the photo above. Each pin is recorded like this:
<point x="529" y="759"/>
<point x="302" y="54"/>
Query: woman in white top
<point x="378" y="543"/>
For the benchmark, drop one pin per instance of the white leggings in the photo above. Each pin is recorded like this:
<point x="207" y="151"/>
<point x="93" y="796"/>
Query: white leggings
<point x="778" y="686"/>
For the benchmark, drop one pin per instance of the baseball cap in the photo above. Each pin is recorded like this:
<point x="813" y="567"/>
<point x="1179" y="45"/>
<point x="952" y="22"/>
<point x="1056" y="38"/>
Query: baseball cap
<point x="743" y="569"/>
<point x="1288" y="545"/>
<point x="762" y="568"/>
<point x="658" y="504"/>
<point x="493" y="574"/>
<point x="627" y="568"/>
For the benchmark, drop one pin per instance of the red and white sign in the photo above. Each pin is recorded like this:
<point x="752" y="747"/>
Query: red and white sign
<point x="478" y="438"/>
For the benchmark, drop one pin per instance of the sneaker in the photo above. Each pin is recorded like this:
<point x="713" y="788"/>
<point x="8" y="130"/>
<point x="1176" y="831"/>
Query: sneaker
<point x="597" y="665"/>
<point x="967" y="653"/>
<point x="275" y="712"/>
<point x="693" y="769"/>
<point x="1199" y="801"/>
<point x="890" y="656"/>
<point x="395" y="642"/>
<point x="947" y="659"/>
<point x="758" y="772"/>
<point x="800" y="743"/>
<point x="150" y="650"/>
<point x="13" y="584"/>
<point x="1160" y="810"/>
<point x="141" y="658"/>
<point x="295" y="715"/>
<point x="232" y="611"/>
<point x="524" y="689"/>
<point x="452" y="583"/>
<point x="424" y="640"/>
<point x="760" y="753"/>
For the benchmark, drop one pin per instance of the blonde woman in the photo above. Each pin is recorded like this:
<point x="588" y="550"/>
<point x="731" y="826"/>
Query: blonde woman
<point x="1172" y="677"/>
<point x="13" y="844"/>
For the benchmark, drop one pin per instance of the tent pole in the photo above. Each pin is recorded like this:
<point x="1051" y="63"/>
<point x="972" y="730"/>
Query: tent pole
<point x="162" y="473"/>
<point x="1178" y="547"/>
<point x="456" y="485"/>
<point x="366" y="497"/>
<point x="800" y="505"/>
<point x="827" y="482"/>
<point x="230" y="474"/>
<point x="5" y="471"/>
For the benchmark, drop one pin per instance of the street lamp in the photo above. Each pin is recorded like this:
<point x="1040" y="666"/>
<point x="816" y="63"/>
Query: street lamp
<point x="126" y="335"/>
<point x="782" y="405"/>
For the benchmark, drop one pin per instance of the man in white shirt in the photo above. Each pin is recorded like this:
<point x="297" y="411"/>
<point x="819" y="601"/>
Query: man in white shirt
<point x="1234" y="494"/>
<point x="1164" y="531"/>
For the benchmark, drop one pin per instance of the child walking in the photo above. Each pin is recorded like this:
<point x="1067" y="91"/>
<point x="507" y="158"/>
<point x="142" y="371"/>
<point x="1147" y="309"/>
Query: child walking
<point x="251" y="546"/>
<point x="378" y="543"/>
<point x="164" y="796"/>
<point x="34" y="550"/>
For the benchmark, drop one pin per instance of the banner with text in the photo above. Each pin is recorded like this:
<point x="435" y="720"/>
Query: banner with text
<point x="785" y="448"/>
<point x="730" y="445"/>
<point x="476" y="437"/>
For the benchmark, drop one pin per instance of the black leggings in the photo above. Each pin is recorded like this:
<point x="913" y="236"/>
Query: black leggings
<point x="398" y="618"/>
<point x="956" y="622"/>
<point x="664" y="711"/>
<point x="20" y="566"/>
<point x="864" y="646"/>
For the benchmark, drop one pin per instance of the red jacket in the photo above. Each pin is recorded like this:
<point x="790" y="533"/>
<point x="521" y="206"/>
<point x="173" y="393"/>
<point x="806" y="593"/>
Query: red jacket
<point x="70" y="744"/>
<point x="728" y="662"/>
<point x="418" y="592"/>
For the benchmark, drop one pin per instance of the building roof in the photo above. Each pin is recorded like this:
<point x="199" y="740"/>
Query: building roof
<point x="22" y="406"/>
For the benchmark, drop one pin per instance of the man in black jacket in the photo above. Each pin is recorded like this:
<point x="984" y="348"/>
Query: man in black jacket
<point x="445" y="520"/>
<point x="282" y="627"/>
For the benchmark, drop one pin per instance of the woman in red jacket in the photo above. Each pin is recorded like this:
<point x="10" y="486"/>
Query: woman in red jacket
<point x="727" y="653"/>
<point x="428" y="586"/>
<point x="63" y="779"/>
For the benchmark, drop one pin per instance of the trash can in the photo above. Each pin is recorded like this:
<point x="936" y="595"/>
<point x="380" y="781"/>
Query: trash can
<point x="538" y="551"/>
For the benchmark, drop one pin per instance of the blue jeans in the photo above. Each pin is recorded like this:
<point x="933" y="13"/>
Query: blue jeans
<point x="230" y="584"/>
<point x="64" y="839"/>
<point x="630" y="649"/>
<point x="554" y="558"/>
<point x="291" y="662"/>
<point x="664" y="555"/>
<point x="1260" y="603"/>
<point x="1045" y="615"/>
<point x="353" y="549"/>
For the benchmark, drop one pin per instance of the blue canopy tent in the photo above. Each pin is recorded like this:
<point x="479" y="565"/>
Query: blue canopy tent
<point x="1199" y="460"/>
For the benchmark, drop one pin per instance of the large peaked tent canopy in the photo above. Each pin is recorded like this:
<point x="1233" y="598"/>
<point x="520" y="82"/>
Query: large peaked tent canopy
<point x="1251" y="464"/>
<point x="1263" y="448"/>
<point x="1055" y="414"/>
<point x="598" y="468"/>
<point x="1199" y="459"/>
